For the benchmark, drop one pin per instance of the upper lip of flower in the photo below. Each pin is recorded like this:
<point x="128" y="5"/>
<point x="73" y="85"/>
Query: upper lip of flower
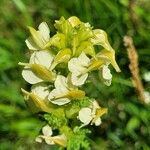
<point x="100" y="38"/>
<point x="39" y="38"/>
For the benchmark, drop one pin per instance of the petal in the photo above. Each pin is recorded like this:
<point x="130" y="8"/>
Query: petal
<point x="79" y="65"/>
<point x="107" y="82"/>
<point x="49" y="141"/>
<point x="47" y="130"/>
<point x="38" y="139"/>
<point x="101" y="39"/>
<point x="30" y="77"/>
<point x="111" y="56"/>
<point x="78" y="80"/>
<point x="61" y="101"/>
<point x="106" y="74"/>
<point x="61" y="84"/>
<point x="75" y="66"/>
<point x="84" y="60"/>
<point x="40" y="90"/>
<point x="95" y="105"/>
<point x="36" y="35"/>
<point x="31" y="44"/>
<point x="60" y="140"/>
<point x="44" y="58"/>
<point x="98" y="121"/>
<point x="85" y="115"/>
<point x="44" y="31"/>
<point x="53" y="94"/>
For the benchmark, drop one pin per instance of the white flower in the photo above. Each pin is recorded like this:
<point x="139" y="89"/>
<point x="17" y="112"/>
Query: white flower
<point x="81" y="66"/>
<point x="78" y="67"/>
<point x="37" y="98"/>
<point x="147" y="97"/>
<point x="39" y="38"/>
<point x="85" y="115"/>
<point x="106" y="75"/>
<point x="51" y="140"/>
<point x="146" y="76"/>
<point x="38" y="68"/>
<point x="61" y="88"/>
<point x="91" y="114"/>
<point x="64" y="91"/>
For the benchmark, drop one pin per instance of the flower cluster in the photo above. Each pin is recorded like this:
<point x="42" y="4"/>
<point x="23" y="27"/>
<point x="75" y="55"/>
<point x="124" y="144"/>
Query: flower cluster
<point x="57" y="69"/>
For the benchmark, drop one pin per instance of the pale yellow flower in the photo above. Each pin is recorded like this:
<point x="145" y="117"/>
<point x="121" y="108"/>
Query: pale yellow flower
<point x="51" y="140"/>
<point x="91" y="115"/>
<point x="38" y="38"/>
<point x="100" y="38"/>
<point x="106" y="75"/>
<point x="80" y="67"/>
<point x="38" y="97"/>
<point x="38" y="68"/>
<point x="64" y="91"/>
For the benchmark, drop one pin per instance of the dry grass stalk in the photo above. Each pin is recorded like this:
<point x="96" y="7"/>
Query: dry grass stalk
<point x="133" y="66"/>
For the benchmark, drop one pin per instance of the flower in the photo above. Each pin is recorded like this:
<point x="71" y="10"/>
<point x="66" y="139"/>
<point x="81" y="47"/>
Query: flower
<point x="38" y="97"/>
<point x="100" y="38"/>
<point x="64" y="91"/>
<point x="106" y="75"/>
<point x="91" y="114"/>
<point x="79" y="68"/>
<point x="51" y="140"/>
<point x="37" y="70"/>
<point x="39" y="38"/>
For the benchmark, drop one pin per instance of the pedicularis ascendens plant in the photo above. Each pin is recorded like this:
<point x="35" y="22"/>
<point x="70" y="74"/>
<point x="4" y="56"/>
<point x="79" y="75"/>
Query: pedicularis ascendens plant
<point x="58" y="68"/>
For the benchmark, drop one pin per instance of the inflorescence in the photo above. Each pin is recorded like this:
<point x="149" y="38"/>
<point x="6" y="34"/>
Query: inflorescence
<point x="58" y="68"/>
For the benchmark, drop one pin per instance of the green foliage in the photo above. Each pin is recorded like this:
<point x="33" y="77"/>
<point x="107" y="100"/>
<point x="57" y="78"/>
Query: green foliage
<point x="56" y="119"/>
<point x="127" y="124"/>
<point x="78" y="140"/>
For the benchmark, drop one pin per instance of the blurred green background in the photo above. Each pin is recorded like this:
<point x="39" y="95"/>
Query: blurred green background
<point x="127" y="124"/>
